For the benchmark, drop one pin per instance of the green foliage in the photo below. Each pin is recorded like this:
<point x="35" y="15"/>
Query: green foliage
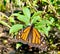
<point x="15" y="28"/>
<point x="35" y="19"/>
<point x="22" y="18"/>
<point x="11" y="19"/>
<point x="43" y="14"/>
<point x="18" y="45"/>
<point x="44" y="26"/>
<point x="58" y="26"/>
<point x="26" y="12"/>
<point x="4" y="23"/>
<point x="38" y="13"/>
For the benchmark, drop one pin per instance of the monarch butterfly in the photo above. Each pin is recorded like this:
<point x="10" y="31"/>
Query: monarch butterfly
<point x="32" y="37"/>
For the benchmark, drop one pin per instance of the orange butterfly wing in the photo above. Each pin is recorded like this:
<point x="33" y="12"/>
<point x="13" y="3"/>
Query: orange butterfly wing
<point x="25" y="33"/>
<point x="36" y="37"/>
<point x="35" y="41"/>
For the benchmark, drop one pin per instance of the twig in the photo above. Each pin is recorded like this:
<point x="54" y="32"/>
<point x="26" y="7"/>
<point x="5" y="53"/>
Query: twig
<point x="11" y="7"/>
<point x="2" y="14"/>
<point x="44" y="11"/>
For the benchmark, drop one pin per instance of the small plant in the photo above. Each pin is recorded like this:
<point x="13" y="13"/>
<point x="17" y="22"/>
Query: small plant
<point x="43" y="25"/>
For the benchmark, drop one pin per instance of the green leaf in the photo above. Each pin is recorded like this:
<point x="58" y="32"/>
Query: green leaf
<point x="18" y="45"/>
<point x="37" y="13"/>
<point x="26" y="12"/>
<point x="35" y="19"/>
<point x="43" y="26"/>
<point x="15" y="28"/>
<point x="15" y="14"/>
<point x="21" y="18"/>
<point x="43" y="22"/>
<point x="58" y="26"/>
<point x="51" y="20"/>
<point x="4" y="1"/>
<point x="46" y="30"/>
<point x="44" y="0"/>
<point x="43" y="29"/>
<point x="4" y="23"/>
<point x="11" y="19"/>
